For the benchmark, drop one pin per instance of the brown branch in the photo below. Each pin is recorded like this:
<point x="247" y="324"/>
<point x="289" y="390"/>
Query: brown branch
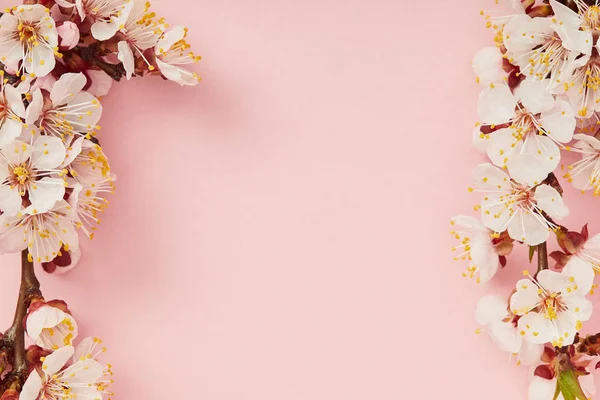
<point x="542" y="256"/>
<point x="14" y="337"/>
<point x="90" y="54"/>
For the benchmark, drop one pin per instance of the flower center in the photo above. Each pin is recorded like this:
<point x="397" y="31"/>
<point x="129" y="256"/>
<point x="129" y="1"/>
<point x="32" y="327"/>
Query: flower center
<point x="28" y="33"/>
<point x="591" y="17"/>
<point x="551" y="305"/>
<point x="21" y="174"/>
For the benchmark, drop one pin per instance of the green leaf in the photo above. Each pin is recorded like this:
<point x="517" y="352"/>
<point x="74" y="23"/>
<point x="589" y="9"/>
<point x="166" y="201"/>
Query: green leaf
<point x="532" y="250"/>
<point x="569" y="386"/>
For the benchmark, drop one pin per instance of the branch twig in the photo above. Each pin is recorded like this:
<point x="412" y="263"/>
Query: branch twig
<point x="14" y="337"/>
<point x="542" y="256"/>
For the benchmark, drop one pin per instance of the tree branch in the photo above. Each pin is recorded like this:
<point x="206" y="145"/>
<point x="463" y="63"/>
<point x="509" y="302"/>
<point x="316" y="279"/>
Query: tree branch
<point x="542" y="256"/>
<point x="14" y="337"/>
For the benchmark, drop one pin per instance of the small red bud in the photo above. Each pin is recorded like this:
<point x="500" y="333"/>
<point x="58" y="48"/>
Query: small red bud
<point x="544" y="371"/>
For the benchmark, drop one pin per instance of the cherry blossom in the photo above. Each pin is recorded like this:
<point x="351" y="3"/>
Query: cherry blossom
<point x="528" y="125"/>
<point x="518" y="208"/>
<point x="493" y="313"/>
<point x="50" y="324"/>
<point x="70" y="373"/>
<point x="66" y="110"/>
<point x="478" y="247"/>
<point x="172" y="51"/>
<point x="140" y="32"/>
<point x="551" y="308"/>
<point x="31" y="170"/>
<point x="28" y="34"/>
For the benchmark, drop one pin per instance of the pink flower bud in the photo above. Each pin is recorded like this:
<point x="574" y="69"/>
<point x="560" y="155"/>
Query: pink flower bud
<point x="69" y="35"/>
<point x="50" y="324"/>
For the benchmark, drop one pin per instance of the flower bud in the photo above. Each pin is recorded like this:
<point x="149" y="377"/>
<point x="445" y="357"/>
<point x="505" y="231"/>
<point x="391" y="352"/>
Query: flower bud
<point x="69" y="35"/>
<point x="10" y="394"/>
<point x="50" y="324"/>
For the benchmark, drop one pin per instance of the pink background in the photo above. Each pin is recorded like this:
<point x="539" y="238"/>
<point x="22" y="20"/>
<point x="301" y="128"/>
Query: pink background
<point x="281" y="231"/>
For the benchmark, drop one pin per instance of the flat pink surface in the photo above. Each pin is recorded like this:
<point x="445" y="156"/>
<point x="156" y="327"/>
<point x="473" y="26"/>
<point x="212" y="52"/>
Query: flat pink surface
<point x="280" y="232"/>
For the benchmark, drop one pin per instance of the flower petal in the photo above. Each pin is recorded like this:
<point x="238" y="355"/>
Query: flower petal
<point x="491" y="309"/>
<point x="559" y="123"/>
<point x="549" y="200"/>
<point x="525" y="298"/>
<point x="487" y="65"/>
<point x="31" y="388"/>
<point x="55" y="361"/>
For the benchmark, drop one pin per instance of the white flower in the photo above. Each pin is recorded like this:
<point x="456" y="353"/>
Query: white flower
<point x="519" y="208"/>
<point x="50" y="326"/>
<point x="90" y="180"/>
<point x="67" y="110"/>
<point x="529" y="123"/>
<point x="476" y="246"/>
<point x="42" y="234"/>
<point x="141" y="32"/>
<point x="585" y="174"/>
<point x="492" y="312"/>
<point x="69" y="373"/>
<point x="31" y="170"/>
<point x="551" y="308"/>
<point x="106" y="16"/>
<point x="560" y="48"/>
<point x="28" y="33"/>
<point x="171" y="51"/>
<point x="546" y="389"/>
<point x="12" y="110"/>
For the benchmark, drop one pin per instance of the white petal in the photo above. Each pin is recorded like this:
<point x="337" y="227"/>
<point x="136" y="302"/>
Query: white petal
<point x="14" y="100"/>
<point x="534" y="96"/>
<point x="10" y="200"/>
<point x="528" y="227"/>
<point x="506" y="336"/>
<point x="496" y="105"/>
<point x="67" y="87"/>
<point x="500" y="145"/>
<point x="537" y="328"/>
<point x="552" y="281"/>
<point x="530" y="353"/>
<point x="17" y="152"/>
<point x="559" y="123"/>
<point x="525" y="298"/>
<point x="522" y="33"/>
<point x="488" y="176"/>
<point x="55" y="361"/>
<point x="31" y="388"/>
<point x="480" y="141"/>
<point x="533" y="159"/>
<point x="467" y="222"/>
<point x="48" y="153"/>
<point x="549" y="200"/>
<point x="125" y="55"/>
<point x="491" y="309"/>
<point x="41" y="61"/>
<point x="487" y="65"/>
<point x="582" y="272"/>
<point x="170" y="38"/>
<point x="46" y="192"/>
<point x="580" y="308"/>
<point x="9" y="131"/>
<point x="34" y="110"/>
<point x="542" y="389"/>
<point x="484" y="257"/>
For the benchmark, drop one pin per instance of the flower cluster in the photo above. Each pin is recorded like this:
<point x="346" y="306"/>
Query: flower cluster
<point x="57" y="368"/>
<point x="57" y="59"/>
<point x="540" y="98"/>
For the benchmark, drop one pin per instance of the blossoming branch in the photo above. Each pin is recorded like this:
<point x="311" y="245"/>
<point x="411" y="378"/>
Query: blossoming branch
<point x="57" y="59"/>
